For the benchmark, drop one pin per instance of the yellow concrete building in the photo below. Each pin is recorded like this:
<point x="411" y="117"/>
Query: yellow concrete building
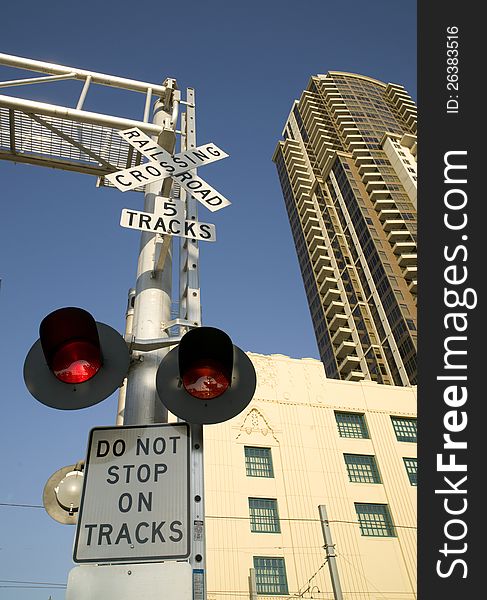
<point x="306" y="441"/>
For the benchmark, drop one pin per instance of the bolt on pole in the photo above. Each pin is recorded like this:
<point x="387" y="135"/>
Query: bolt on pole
<point x="152" y="307"/>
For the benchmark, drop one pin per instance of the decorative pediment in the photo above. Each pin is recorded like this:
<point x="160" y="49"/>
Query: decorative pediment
<point x="256" y="425"/>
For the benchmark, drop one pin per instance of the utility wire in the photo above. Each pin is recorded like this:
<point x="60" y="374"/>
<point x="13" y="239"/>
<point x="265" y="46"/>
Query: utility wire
<point x="38" y="585"/>
<point x="302" y="520"/>
<point x="295" y="520"/>
<point x="21" y="505"/>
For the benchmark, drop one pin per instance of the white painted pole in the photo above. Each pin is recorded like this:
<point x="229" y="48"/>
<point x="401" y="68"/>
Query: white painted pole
<point x="152" y="309"/>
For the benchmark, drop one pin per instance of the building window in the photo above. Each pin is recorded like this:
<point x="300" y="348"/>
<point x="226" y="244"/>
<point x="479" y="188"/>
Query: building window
<point x="351" y="425"/>
<point x="405" y="429"/>
<point x="375" y="520"/>
<point x="270" y="576"/>
<point x="362" y="468"/>
<point x="258" y="462"/>
<point x="411" y="465"/>
<point x="264" y="517"/>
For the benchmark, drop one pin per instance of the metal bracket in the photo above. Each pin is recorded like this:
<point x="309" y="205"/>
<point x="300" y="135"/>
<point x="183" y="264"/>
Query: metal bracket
<point x="163" y="243"/>
<point x="157" y="343"/>
<point x="149" y="345"/>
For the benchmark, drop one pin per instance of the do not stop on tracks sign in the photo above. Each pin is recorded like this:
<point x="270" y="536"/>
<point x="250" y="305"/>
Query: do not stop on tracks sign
<point x="135" y="502"/>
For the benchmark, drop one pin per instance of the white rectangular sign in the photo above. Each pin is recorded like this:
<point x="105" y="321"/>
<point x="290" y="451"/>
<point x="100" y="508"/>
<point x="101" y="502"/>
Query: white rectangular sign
<point x="148" y="581"/>
<point x="133" y="219"/>
<point x="135" y="501"/>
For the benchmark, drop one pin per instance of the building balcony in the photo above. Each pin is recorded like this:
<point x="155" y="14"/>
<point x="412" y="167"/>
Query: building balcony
<point x="388" y="214"/>
<point x="352" y="135"/>
<point x="312" y="233"/>
<point x="315" y="241"/>
<point x="302" y="187"/>
<point x="325" y="272"/>
<point x="349" y="363"/>
<point x="413" y="286"/>
<point x="296" y="160"/>
<point x="338" y="107"/>
<point x="345" y="125"/>
<point x="332" y="295"/>
<point x="335" y="100"/>
<point x="406" y="102"/>
<point x="339" y="320"/>
<point x="308" y="212"/>
<point x="334" y="308"/>
<point x="363" y="160"/>
<point x="345" y="348"/>
<point x="404" y="247"/>
<point x="348" y="127"/>
<point x="398" y="235"/>
<point x="364" y="166"/>
<point x="375" y="185"/>
<point x="379" y="195"/>
<point x="341" y="334"/>
<point x="359" y="153"/>
<point x="382" y="203"/>
<point x="357" y="145"/>
<point x="319" y="252"/>
<point x="370" y="175"/>
<point x="355" y="376"/>
<point x="321" y="261"/>
<point x="395" y="224"/>
<point x="410" y="273"/>
<point x="303" y="202"/>
<point x="411" y="119"/>
<point x="327" y="283"/>
<point x="339" y="111"/>
<point x="299" y="180"/>
<point x="408" y="260"/>
<point x="309" y="223"/>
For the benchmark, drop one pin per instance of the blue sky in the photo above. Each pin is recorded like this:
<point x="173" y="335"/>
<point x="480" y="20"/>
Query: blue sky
<point x="60" y="242"/>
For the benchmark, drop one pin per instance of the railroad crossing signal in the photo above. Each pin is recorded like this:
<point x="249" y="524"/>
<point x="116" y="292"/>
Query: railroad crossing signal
<point x="76" y="362"/>
<point x="206" y="379"/>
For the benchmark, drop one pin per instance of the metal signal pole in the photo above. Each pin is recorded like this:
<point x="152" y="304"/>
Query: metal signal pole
<point x="152" y="308"/>
<point x="152" y="313"/>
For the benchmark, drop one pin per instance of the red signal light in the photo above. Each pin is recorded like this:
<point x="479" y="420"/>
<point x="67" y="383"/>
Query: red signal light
<point x="76" y="361"/>
<point x="206" y="380"/>
<point x="72" y="348"/>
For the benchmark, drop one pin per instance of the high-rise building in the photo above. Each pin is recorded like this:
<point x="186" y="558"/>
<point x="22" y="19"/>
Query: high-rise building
<point x="347" y="167"/>
<point x="305" y="441"/>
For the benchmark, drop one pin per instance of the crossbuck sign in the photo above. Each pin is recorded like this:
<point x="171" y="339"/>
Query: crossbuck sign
<point x="162" y="164"/>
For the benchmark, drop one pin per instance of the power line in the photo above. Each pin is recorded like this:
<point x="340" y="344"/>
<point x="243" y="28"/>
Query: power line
<point x="302" y="520"/>
<point x="21" y="505"/>
<point x="295" y="520"/>
<point x="17" y="583"/>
